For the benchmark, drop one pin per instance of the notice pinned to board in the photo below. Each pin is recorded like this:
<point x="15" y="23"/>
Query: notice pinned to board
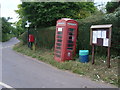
<point x="94" y="37"/>
<point x="103" y="34"/>
<point x="105" y="42"/>
<point x="99" y="34"/>
<point x="59" y="29"/>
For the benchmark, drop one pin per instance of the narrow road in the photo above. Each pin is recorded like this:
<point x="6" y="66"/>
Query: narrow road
<point x="19" y="71"/>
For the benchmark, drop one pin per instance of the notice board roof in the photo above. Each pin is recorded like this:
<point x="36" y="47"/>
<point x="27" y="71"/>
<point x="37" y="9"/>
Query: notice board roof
<point x="101" y="26"/>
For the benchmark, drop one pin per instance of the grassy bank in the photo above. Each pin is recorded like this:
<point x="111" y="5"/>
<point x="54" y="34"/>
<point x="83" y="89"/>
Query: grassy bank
<point x="97" y="72"/>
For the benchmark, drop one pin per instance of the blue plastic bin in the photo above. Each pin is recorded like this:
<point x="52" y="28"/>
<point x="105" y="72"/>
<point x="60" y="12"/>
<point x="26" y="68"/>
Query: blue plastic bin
<point x="84" y="58"/>
<point x="83" y="52"/>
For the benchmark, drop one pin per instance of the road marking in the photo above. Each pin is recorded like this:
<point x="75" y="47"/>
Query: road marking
<point x="6" y="47"/>
<point x="5" y="85"/>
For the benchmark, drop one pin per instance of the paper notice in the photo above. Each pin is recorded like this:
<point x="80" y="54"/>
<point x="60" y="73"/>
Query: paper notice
<point x="105" y="42"/>
<point x="94" y="39"/>
<point x="99" y="34"/>
<point x="59" y="29"/>
<point x="69" y="54"/>
<point x="103" y="34"/>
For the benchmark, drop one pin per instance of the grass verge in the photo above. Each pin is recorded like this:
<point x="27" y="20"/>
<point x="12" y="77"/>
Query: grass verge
<point x="97" y="72"/>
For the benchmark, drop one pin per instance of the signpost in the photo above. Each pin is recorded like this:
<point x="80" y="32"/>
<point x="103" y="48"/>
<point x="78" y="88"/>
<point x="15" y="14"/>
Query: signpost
<point x="28" y="23"/>
<point x="100" y="35"/>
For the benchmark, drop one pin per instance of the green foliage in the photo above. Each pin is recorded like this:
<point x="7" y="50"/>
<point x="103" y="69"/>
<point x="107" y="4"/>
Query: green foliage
<point x="6" y="26"/>
<point x="45" y="37"/>
<point x="24" y="37"/>
<point x="19" y="28"/>
<point x="46" y="13"/>
<point x="7" y="29"/>
<point x="6" y="37"/>
<point x="84" y="32"/>
<point x="111" y="6"/>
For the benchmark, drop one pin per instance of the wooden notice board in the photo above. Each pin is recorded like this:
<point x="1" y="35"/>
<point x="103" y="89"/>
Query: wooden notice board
<point x="100" y="35"/>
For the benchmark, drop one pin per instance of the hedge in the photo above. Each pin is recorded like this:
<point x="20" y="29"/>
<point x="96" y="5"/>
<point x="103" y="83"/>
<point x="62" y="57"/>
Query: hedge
<point x="45" y="37"/>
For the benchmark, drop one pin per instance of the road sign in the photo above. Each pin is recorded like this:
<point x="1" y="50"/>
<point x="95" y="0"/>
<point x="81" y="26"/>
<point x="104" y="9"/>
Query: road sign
<point x="28" y="23"/>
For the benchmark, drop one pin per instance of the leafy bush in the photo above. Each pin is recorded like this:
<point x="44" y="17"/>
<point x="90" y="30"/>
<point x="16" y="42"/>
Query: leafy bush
<point x="84" y="31"/>
<point x="111" y="6"/>
<point x="24" y="37"/>
<point x="6" y="29"/>
<point x="45" y="37"/>
<point x="46" y="13"/>
<point x="6" y="37"/>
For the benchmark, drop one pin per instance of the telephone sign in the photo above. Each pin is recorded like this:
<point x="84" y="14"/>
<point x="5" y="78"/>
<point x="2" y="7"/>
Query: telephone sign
<point x="65" y="39"/>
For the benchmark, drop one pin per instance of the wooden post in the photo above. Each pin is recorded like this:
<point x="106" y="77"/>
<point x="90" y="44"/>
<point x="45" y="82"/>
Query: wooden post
<point x="93" y="53"/>
<point x="108" y="61"/>
<point x="28" y="36"/>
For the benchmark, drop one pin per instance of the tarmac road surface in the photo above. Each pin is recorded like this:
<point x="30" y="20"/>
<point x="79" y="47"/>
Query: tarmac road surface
<point x="19" y="71"/>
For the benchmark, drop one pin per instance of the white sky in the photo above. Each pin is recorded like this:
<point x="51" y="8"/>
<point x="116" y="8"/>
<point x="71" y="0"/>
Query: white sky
<point x="8" y="7"/>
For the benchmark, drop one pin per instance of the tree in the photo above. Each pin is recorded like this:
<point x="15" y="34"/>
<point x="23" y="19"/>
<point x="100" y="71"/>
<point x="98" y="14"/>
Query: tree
<point x="47" y="13"/>
<point x="6" y="28"/>
<point x="112" y="6"/>
<point x="19" y="28"/>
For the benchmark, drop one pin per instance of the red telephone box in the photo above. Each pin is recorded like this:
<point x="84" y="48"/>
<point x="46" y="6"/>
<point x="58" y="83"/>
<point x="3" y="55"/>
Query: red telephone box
<point x="65" y="39"/>
<point x="31" y="38"/>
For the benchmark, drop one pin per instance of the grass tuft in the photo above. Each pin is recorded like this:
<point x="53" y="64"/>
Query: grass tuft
<point x="97" y="72"/>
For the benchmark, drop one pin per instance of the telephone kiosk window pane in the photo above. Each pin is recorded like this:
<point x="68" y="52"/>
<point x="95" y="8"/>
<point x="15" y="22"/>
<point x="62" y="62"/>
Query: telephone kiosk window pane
<point x="70" y="48"/>
<point x="70" y="33"/>
<point x="70" y="45"/>
<point x="59" y="33"/>
<point x="70" y="41"/>
<point x="59" y="36"/>
<point x="59" y="40"/>
<point x="59" y="44"/>
<point x="58" y="52"/>
<point x="57" y="55"/>
<point x="71" y="29"/>
<point x="70" y="37"/>
<point x="58" y="47"/>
